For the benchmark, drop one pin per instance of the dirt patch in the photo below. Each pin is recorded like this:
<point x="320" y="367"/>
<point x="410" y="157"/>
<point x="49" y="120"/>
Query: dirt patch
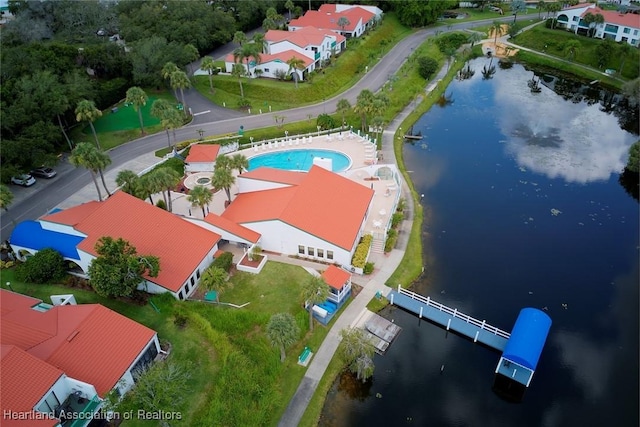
<point x="355" y="289"/>
<point x="257" y="259"/>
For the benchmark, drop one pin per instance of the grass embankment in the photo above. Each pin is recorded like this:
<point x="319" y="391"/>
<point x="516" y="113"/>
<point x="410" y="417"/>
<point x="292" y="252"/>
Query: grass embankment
<point x="237" y="377"/>
<point x="554" y="42"/>
<point x="346" y="70"/>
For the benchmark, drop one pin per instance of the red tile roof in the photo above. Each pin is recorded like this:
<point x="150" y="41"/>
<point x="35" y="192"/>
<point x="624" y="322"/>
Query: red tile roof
<point x="203" y="153"/>
<point x="88" y="342"/>
<point x="25" y="381"/>
<point x="336" y="277"/>
<point x="307" y="36"/>
<point x="324" y="204"/>
<point x="328" y="19"/>
<point x="274" y="175"/>
<point x="232" y="227"/>
<point x="74" y="215"/>
<point x="627" y="19"/>
<point x="179" y="244"/>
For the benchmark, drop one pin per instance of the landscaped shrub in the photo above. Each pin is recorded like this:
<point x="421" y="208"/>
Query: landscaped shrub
<point x="426" y="67"/>
<point x="44" y="266"/>
<point x="224" y="261"/>
<point x="368" y="268"/>
<point x="325" y="122"/>
<point x="360" y="255"/>
<point x="244" y="103"/>
<point x="396" y="219"/>
<point x="392" y="238"/>
<point x="451" y="40"/>
<point x="280" y="74"/>
<point x="161" y="204"/>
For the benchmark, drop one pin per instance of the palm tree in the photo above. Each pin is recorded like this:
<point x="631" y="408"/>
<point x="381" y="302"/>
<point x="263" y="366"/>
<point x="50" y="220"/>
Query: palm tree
<point x="314" y="291"/>
<point x="208" y="65"/>
<point x="192" y="54"/>
<point x="554" y="7"/>
<point x="168" y="116"/>
<point x="272" y="19"/>
<point x="295" y="64"/>
<point x="240" y="38"/>
<point x="128" y="181"/>
<point x="167" y="178"/>
<point x="168" y="69"/>
<point x="6" y="197"/>
<point x="342" y="107"/>
<point x="571" y="47"/>
<point x="540" y="6"/>
<point x="86" y="111"/>
<point x="147" y="186"/>
<point x="497" y="30"/>
<point x="289" y="5"/>
<point x="364" y="105"/>
<point x="517" y="6"/>
<point x="238" y="71"/>
<point x="488" y="72"/>
<point x="593" y="20"/>
<point x="89" y="157"/>
<point x="474" y="38"/>
<point x="180" y="80"/>
<point x="239" y="162"/>
<point x="138" y="98"/>
<point x="222" y="179"/>
<point x="247" y="51"/>
<point x="343" y="22"/>
<point x="282" y="331"/>
<point x="214" y="279"/>
<point x="200" y="197"/>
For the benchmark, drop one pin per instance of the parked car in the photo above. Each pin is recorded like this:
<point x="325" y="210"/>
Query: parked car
<point x="44" y="172"/>
<point x="25" y="180"/>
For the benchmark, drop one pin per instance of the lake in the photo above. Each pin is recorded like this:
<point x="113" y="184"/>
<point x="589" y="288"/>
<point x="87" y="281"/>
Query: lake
<point x="523" y="209"/>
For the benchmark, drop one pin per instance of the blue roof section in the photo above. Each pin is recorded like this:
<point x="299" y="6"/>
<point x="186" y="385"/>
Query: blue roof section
<point x="528" y="337"/>
<point x="30" y="234"/>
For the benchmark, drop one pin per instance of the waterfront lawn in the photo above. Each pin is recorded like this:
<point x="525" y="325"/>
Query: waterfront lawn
<point x="553" y="42"/>
<point x="346" y="70"/>
<point x="237" y="375"/>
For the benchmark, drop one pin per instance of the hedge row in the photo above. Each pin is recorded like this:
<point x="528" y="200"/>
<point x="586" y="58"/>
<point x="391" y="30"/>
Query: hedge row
<point x="360" y="255"/>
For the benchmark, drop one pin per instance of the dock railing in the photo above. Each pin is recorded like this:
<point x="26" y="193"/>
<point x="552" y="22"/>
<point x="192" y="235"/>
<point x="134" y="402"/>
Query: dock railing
<point x="482" y="324"/>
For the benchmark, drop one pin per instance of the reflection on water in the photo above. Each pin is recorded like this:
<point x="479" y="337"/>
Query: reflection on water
<point x="524" y="209"/>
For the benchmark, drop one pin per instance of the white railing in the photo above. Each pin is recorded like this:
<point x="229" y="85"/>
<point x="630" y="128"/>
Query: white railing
<point x="482" y="324"/>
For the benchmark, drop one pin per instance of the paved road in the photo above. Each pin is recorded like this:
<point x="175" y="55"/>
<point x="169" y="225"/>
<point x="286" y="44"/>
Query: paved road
<point x="32" y="203"/>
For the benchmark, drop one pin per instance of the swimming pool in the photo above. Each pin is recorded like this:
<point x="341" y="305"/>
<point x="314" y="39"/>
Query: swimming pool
<point x="299" y="159"/>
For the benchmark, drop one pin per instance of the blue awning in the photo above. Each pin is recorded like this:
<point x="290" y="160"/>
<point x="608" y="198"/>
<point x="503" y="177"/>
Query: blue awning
<point x="31" y="235"/>
<point x="528" y="337"/>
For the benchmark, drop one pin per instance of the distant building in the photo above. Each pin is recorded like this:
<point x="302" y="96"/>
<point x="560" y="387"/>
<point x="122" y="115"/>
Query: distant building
<point x="619" y="27"/>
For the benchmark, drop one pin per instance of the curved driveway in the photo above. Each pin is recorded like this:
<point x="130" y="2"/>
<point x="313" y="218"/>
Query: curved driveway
<point x="31" y="203"/>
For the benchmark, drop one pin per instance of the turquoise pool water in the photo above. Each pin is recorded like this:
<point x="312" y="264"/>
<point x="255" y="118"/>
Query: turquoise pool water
<point x="299" y="159"/>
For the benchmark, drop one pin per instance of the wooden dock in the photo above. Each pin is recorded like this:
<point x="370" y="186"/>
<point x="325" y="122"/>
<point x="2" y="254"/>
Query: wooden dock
<point x="381" y="332"/>
<point x="449" y="318"/>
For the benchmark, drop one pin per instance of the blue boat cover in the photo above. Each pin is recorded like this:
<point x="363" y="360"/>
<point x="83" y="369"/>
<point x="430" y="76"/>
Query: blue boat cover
<point x="31" y="235"/>
<point x="528" y="337"/>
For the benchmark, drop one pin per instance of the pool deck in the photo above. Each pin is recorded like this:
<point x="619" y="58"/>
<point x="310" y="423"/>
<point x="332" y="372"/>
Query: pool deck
<point x="358" y="151"/>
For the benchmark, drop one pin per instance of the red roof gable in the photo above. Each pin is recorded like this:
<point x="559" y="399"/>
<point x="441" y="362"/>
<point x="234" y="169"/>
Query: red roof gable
<point x="275" y="175"/>
<point x="203" y="153"/>
<point x="232" y="227"/>
<point x="25" y="381"/>
<point x="307" y="36"/>
<point x="180" y="245"/>
<point x="324" y="204"/>
<point x="81" y="338"/>
<point x="336" y="277"/>
<point x="626" y="20"/>
<point x="75" y="214"/>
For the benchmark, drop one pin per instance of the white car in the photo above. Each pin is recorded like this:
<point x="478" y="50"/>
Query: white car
<point x="25" y="180"/>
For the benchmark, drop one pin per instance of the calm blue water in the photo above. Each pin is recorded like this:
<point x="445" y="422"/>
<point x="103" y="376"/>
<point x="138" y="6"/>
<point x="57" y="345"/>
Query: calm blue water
<point x="523" y="208"/>
<point x="299" y="159"/>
